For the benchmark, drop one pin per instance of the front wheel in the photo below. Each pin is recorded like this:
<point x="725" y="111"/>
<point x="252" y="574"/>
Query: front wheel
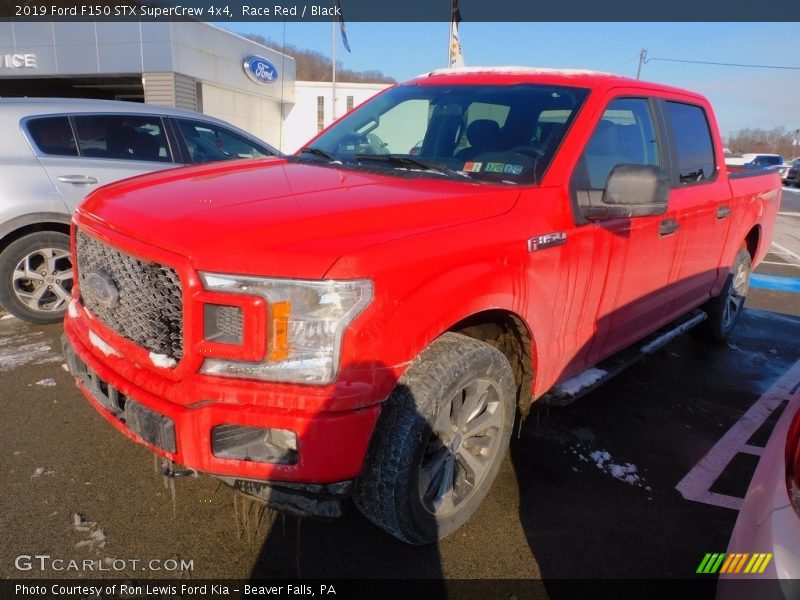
<point x="36" y="277"/>
<point x="724" y="310"/>
<point x="440" y="440"/>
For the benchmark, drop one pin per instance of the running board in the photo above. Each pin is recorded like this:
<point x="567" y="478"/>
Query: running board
<point x="570" y="390"/>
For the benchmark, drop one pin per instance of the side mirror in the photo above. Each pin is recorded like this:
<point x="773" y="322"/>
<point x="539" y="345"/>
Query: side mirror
<point x="631" y="191"/>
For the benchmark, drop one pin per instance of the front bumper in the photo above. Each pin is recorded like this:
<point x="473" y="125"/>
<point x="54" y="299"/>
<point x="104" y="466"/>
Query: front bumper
<point x="331" y="444"/>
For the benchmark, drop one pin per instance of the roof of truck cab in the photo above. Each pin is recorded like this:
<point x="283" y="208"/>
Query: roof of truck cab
<point x="514" y="74"/>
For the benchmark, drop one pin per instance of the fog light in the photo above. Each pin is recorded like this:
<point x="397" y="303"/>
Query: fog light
<point x="254" y="444"/>
<point x="223" y="324"/>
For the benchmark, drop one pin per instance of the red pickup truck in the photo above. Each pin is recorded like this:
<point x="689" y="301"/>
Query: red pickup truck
<point x="368" y="317"/>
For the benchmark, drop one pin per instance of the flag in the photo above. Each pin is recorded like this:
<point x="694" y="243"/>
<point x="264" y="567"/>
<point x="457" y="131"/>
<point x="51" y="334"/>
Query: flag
<point x="456" y="56"/>
<point x="341" y="26"/>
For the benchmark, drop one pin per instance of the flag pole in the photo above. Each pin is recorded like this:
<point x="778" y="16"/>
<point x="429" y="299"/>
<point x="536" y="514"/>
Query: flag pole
<point x="333" y="69"/>
<point x="455" y="56"/>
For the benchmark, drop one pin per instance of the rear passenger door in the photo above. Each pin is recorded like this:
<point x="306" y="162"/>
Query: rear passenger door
<point x="82" y="152"/>
<point x="702" y="200"/>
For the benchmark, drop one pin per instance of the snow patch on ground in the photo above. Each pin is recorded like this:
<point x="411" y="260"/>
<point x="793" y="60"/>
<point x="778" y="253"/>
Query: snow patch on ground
<point x="162" y="360"/>
<point x="21" y="344"/>
<point x="579" y="382"/>
<point x="626" y="472"/>
<point x="49" y="382"/>
<point x="102" y="345"/>
<point x="11" y="358"/>
<point x="602" y="459"/>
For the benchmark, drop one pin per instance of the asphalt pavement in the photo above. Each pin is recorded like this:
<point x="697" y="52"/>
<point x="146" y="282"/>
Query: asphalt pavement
<point x="588" y="490"/>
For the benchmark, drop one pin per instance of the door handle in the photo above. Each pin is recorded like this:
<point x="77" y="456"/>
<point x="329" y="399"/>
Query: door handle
<point x="723" y="211"/>
<point x="77" y="179"/>
<point x="668" y="227"/>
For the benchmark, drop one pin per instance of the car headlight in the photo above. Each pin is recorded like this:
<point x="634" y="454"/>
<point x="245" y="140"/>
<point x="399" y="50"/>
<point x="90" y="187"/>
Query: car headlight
<point x="305" y="323"/>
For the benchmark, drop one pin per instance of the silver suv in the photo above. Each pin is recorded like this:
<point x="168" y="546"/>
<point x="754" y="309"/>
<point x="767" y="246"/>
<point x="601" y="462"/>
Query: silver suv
<point x="53" y="152"/>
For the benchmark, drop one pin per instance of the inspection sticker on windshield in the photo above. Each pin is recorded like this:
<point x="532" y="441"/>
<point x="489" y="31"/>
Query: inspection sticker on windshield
<point x="472" y="167"/>
<point x="497" y="167"/>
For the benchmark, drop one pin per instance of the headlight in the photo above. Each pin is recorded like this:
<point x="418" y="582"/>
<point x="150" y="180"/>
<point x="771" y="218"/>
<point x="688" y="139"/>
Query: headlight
<point x="305" y="323"/>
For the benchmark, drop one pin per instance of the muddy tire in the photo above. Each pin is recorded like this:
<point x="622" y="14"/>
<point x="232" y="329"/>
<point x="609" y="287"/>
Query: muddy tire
<point x="36" y="277"/>
<point x="724" y="310"/>
<point x="439" y="442"/>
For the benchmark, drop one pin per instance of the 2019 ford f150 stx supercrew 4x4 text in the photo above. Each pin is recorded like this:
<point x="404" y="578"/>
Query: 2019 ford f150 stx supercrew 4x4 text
<point x="357" y="320"/>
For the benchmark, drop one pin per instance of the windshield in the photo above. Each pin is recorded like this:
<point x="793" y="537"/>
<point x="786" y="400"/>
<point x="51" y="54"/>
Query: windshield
<point x="502" y="133"/>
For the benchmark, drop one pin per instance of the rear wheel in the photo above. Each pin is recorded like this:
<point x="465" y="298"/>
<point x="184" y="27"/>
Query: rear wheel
<point x="36" y="277"/>
<point x="440" y="440"/>
<point x="724" y="310"/>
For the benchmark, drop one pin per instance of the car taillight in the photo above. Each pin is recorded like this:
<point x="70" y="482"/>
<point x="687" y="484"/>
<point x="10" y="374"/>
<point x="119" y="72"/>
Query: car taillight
<point x="793" y="463"/>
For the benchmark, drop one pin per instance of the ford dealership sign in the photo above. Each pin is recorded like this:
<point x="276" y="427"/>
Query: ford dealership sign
<point x="260" y="70"/>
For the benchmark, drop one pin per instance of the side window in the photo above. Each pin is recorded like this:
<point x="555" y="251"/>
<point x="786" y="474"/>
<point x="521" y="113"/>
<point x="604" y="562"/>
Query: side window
<point x="53" y="135"/>
<point x="125" y="137"/>
<point x="692" y="142"/>
<point x="624" y="136"/>
<point x="208" y="142"/>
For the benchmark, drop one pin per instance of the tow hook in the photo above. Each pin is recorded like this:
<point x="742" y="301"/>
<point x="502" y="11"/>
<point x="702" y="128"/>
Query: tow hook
<point x="168" y="471"/>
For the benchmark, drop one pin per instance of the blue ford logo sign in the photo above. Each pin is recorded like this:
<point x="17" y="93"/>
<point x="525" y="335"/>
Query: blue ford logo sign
<point x="98" y="286"/>
<point x="260" y="70"/>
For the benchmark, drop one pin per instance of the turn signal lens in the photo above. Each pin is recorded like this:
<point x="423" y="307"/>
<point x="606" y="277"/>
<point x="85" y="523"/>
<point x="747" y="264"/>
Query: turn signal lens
<point x="278" y="331"/>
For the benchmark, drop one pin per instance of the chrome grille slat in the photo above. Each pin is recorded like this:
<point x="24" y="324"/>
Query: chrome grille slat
<point x="150" y="308"/>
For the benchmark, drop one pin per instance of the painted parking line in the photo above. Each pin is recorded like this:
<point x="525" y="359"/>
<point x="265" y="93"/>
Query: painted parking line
<point x="696" y="485"/>
<point x="785" y="253"/>
<point x="775" y="283"/>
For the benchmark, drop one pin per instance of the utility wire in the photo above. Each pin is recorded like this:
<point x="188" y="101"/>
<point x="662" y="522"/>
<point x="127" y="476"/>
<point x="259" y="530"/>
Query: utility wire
<point x="722" y="64"/>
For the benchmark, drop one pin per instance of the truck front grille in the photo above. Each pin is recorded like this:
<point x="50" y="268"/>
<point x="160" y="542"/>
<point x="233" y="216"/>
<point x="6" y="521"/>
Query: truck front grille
<point x="142" y="301"/>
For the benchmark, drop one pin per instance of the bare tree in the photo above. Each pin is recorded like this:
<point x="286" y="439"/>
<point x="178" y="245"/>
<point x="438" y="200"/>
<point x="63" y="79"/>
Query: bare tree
<point x="775" y="141"/>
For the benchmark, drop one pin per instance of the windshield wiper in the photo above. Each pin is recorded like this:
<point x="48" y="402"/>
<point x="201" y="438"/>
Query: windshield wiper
<point x="317" y="152"/>
<point x="400" y="160"/>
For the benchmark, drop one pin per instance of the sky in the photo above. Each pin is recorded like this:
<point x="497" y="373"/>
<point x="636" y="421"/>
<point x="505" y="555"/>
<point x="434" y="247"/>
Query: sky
<point x="742" y="97"/>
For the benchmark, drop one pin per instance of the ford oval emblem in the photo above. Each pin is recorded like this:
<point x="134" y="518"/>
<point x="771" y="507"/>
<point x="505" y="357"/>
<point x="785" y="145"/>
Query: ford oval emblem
<point x="260" y="70"/>
<point x="98" y="286"/>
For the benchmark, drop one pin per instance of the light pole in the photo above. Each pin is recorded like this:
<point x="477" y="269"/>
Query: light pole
<point x="642" y="57"/>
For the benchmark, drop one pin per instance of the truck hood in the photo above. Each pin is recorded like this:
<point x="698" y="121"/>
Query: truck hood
<point x="282" y="218"/>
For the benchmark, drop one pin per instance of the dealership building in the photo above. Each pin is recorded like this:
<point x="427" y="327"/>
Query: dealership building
<point x="193" y="65"/>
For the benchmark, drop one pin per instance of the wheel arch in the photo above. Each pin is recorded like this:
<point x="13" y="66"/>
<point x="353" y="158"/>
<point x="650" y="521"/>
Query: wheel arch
<point x="752" y="241"/>
<point x="509" y="333"/>
<point x="22" y="226"/>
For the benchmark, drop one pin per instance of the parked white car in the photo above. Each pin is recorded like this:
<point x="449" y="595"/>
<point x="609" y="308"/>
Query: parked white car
<point x="55" y="151"/>
<point x="769" y="520"/>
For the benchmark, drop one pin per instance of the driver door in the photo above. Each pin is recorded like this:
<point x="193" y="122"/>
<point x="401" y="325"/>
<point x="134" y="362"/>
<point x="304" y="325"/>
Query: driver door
<point x="638" y="254"/>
